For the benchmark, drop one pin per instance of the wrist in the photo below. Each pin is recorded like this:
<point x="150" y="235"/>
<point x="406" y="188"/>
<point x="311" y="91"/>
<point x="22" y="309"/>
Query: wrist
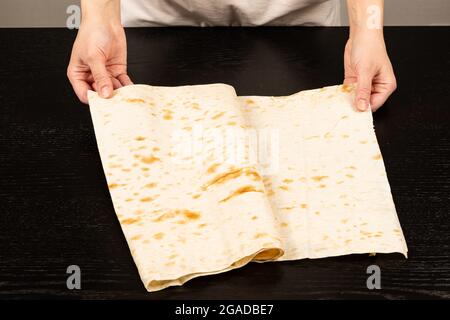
<point x="105" y="12"/>
<point x="366" y="18"/>
<point x="365" y="34"/>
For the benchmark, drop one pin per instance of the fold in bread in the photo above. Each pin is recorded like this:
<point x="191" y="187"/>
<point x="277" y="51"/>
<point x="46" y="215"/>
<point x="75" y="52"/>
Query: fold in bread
<point x="195" y="195"/>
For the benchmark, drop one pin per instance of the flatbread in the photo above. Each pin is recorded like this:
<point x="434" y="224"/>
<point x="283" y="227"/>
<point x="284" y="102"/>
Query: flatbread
<point x="203" y="181"/>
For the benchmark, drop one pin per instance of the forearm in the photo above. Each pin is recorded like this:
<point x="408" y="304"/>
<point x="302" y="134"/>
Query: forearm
<point x="101" y="11"/>
<point x="365" y="17"/>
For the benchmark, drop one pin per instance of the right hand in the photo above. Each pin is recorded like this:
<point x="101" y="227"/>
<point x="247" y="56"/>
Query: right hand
<point x="99" y="59"/>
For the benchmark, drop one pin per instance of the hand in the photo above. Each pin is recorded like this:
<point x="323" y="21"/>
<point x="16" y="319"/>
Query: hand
<point x="99" y="59"/>
<point x="367" y="63"/>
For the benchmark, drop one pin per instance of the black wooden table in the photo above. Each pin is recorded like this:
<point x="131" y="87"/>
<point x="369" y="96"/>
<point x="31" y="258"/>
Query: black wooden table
<point x="55" y="209"/>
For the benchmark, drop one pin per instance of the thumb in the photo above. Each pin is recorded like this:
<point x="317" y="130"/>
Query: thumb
<point x="102" y="79"/>
<point x="363" y="91"/>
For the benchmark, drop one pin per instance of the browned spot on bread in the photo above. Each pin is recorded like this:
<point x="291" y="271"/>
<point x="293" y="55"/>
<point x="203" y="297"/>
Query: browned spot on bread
<point x="231" y="123"/>
<point x="288" y="180"/>
<point x="150" y="185"/>
<point x="346" y="88"/>
<point x="145" y="169"/>
<point x="317" y="213"/>
<point x="196" y="196"/>
<point x="130" y="221"/>
<point x="129" y="199"/>
<point x="167" y="115"/>
<point x="187" y="128"/>
<point x="303" y="205"/>
<point x="344" y="220"/>
<point x="126" y="170"/>
<point x="146" y="199"/>
<point x="328" y="135"/>
<point x="240" y="191"/>
<point x="254" y="175"/>
<point x="135" y="100"/>
<point x="139" y="138"/>
<point x="377" y="157"/>
<point x="260" y="235"/>
<point x="113" y="185"/>
<point x="114" y="165"/>
<point x="322" y="186"/>
<point x="158" y="236"/>
<point x="344" y="117"/>
<point x="218" y="115"/>
<point x="150" y="159"/>
<point x="349" y="176"/>
<point x="137" y="237"/>
<point x="213" y="168"/>
<point x="286" y="188"/>
<point x="191" y="215"/>
<point x="166" y="216"/>
<point x="319" y="178"/>
<point x="195" y="106"/>
<point x="363" y="141"/>
<point x="283" y="224"/>
<point x="173" y="256"/>
<point x="202" y="225"/>
<point x="249" y="101"/>
<point x="155" y="149"/>
<point x="254" y="217"/>
<point x="223" y="177"/>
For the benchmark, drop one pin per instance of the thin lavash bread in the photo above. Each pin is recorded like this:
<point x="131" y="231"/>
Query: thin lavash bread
<point x="195" y="195"/>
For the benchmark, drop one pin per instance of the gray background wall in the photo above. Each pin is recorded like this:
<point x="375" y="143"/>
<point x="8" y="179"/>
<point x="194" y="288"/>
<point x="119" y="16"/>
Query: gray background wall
<point x="52" y="13"/>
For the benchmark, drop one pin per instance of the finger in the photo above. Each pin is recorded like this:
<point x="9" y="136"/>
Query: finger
<point x="80" y="87"/>
<point x="104" y="85"/>
<point x="350" y="80"/>
<point x="116" y="83"/>
<point x="124" y="79"/>
<point x="381" y="93"/>
<point x="377" y="100"/>
<point x="363" y="91"/>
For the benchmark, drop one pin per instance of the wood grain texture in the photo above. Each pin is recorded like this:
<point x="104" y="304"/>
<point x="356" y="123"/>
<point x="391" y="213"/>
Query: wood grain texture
<point x="55" y="208"/>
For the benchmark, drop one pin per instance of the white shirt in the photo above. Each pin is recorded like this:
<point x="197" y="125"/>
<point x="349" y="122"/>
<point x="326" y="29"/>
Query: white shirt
<point x="230" y="12"/>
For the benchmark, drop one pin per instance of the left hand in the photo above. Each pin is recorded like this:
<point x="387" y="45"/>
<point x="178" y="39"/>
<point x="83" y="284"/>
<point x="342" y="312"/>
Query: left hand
<point x="367" y="63"/>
